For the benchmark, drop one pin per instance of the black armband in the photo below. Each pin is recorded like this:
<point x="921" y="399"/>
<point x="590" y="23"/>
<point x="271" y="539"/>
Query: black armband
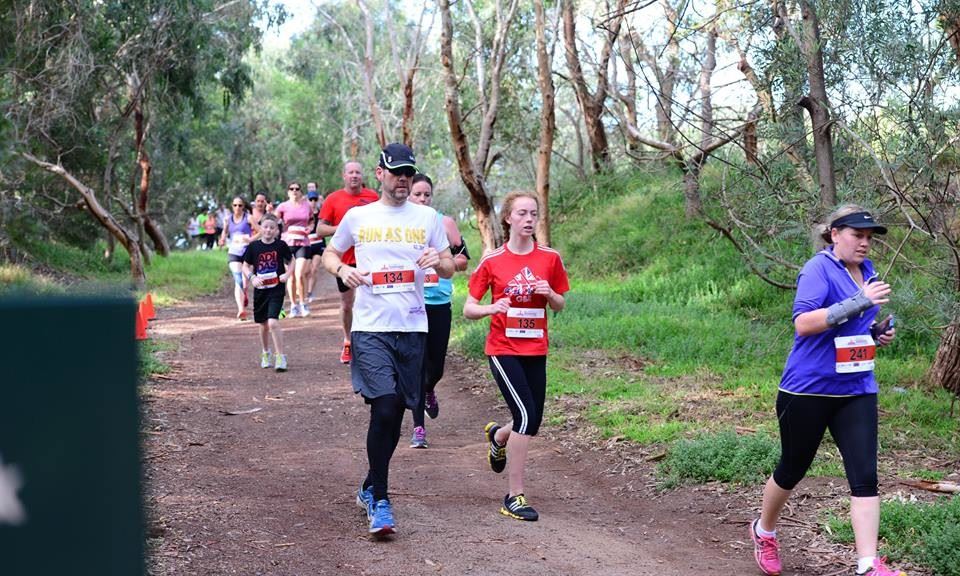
<point x="460" y="249"/>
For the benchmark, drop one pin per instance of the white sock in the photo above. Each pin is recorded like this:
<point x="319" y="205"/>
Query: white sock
<point x="764" y="533"/>
<point x="865" y="564"/>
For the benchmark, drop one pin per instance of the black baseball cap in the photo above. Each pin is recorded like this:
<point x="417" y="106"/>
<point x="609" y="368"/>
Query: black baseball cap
<point x="861" y="220"/>
<point x="397" y="155"/>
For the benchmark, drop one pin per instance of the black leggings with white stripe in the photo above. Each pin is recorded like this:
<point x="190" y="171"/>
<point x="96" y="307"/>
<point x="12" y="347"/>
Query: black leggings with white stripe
<point x="523" y="383"/>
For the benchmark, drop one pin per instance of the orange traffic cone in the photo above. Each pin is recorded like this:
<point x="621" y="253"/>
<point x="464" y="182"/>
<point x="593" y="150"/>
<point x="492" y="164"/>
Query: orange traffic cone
<point x="141" y="331"/>
<point x="147" y="306"/>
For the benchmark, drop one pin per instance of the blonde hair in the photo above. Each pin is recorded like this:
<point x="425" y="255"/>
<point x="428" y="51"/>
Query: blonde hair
<point x="822" y="233"/>
<point x="506" y="207"/>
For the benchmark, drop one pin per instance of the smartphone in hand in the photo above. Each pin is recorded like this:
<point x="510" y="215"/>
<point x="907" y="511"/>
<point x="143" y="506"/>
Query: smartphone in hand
<point x="881" y="327"/>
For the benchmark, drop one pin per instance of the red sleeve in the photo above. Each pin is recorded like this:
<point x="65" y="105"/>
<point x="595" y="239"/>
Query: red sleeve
<point x="480" y="280"/>
<point x="326" y="209"/>
<point x="559" y="281"/>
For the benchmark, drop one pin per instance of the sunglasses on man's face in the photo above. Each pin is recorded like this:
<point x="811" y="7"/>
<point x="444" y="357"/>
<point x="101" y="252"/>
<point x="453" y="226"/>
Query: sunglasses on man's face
<point x="407" y="171"/>
<point x="293" y="188"/>
<point x="238" y="205"/>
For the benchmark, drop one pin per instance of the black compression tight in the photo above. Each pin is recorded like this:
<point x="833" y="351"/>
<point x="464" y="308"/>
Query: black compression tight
<point x="386" y="417"/>
<point x="852" y="421"/>
<point x="439" y="317"/>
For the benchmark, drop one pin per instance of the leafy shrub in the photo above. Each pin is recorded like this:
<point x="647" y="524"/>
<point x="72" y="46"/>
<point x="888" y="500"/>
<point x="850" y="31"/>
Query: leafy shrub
<point x="922" y="533"/>
<point x="723" y="456"/>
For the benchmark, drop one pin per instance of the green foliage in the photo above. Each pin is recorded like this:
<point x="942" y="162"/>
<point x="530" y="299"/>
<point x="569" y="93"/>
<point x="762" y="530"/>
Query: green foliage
<point x="712" y="337"/>
<point x="149" y="352"/>
<point x="19" y="280"/>
<point x="722" y="456"/>
<point x="923" y="533"/>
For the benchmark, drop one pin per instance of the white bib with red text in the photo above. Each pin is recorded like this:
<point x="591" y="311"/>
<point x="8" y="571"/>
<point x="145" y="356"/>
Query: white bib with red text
<point x="526" y="323"/>
<point x="855" y="353"/>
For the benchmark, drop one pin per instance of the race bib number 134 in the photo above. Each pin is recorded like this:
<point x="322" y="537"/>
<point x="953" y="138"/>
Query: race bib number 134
<point x="394" y="278"/>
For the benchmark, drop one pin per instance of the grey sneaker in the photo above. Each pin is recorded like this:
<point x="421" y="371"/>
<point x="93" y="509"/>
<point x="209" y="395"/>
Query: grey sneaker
<point x="419" y="439"/>
<point x="281" y="363"/>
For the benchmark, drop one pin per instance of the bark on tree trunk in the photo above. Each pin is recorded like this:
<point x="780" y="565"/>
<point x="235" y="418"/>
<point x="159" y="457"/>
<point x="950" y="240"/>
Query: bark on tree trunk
<point x="945" y="371"/>
<point x="591" y="103"/>
<point x="368" y="73"/>
<point x="628" y="99"/>
<point x="490" y="232"/>
<point x="126" y="239"/>
<point x="818" y="106"/>
<point x="407" y="122"/>
<point x="668" y="78"/>
<point x="693" y="203"/>
<point x="149" y="226"/>
<point x="548" y="122"/>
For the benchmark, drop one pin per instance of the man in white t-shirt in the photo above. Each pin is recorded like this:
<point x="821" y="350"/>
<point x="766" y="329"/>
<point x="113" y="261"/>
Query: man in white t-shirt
<point x="395" y="242"/>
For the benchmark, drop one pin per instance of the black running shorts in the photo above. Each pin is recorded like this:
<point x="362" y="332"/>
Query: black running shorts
<point x="268" y="303"/>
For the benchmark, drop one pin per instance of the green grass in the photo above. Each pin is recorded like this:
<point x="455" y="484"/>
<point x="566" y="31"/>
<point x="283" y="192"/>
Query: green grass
<point x="150" y="362"/>
<point x="652" y="286"/>
<point x="922" y="533"/>
<point x="181" y="276"/>
<point x="16" y="279"/>
<point x="724" y="456"/>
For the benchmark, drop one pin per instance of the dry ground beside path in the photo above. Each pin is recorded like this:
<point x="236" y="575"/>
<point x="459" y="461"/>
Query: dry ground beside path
<point x="272" y="491"/>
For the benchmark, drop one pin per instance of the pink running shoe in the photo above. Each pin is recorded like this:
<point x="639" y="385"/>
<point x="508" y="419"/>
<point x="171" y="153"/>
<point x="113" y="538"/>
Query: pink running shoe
<point x="880" y="569"/>
<point x="766" y="551"/>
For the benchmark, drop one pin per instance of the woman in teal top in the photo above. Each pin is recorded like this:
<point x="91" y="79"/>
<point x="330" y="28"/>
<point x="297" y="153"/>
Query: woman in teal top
<point x="437" y="294"/>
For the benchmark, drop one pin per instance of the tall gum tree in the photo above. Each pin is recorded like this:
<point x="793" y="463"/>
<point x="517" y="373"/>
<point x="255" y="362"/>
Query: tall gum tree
<point x="473" y="168"/>
<point x="81" y="73"/>
<point x="592" y="102"/>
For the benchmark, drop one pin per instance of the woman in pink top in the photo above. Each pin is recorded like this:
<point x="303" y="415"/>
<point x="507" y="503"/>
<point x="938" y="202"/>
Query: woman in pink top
<point x="297" y="217"/>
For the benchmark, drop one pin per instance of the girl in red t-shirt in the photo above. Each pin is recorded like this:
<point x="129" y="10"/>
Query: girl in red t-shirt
<point x="523" y="278"/>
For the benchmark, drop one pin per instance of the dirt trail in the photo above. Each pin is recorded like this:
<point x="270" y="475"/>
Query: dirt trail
<point x="272" y="491"/>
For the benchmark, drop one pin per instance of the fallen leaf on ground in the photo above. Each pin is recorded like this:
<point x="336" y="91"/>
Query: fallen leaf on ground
<point x="240" y="412"/>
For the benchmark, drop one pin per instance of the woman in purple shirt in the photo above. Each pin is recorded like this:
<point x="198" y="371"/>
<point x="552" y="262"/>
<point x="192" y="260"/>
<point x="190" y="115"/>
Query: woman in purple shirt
<point x="237" y="233"/>
<point x="828" y="383"/>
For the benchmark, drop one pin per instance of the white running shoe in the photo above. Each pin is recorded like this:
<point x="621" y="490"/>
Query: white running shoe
<point x="281" y="363"/>
<point x="304" y="311"/>
<point x="265" y="359"/>
<point x="294" y="311"/>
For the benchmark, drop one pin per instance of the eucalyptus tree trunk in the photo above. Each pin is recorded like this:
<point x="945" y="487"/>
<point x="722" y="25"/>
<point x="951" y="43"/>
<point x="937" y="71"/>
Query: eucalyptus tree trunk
<point x="472" y="168"/>
<point x="592" y="104"/>
<point x="818" y="106"/>
<point x="693" y="204"/>
<point x="150" y="227"/>
<point x="946" y="364"/>
<point x="369" y="70"/>
<point x="548" y="122"/>
<point x="130" y="242"/>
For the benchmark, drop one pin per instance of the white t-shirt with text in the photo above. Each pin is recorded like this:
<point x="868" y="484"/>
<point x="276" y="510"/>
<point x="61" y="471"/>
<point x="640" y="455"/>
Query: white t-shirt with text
<point x="389" y="240"/>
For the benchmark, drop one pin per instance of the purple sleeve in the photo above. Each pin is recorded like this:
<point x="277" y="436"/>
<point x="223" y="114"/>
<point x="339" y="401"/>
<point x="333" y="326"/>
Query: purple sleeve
<point x="812" y="289"/>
